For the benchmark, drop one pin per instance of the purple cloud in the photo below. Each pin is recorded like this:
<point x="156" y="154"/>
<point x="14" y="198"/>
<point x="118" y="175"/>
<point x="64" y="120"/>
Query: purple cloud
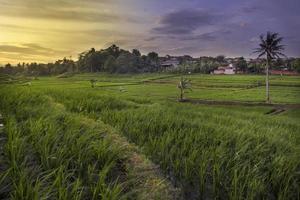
<point x="185" y="21"/>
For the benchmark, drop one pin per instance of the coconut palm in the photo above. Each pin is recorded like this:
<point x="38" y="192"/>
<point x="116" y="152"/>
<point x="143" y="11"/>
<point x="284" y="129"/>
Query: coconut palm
<point x="184" y="84"/>
<point x="270" y="46"/>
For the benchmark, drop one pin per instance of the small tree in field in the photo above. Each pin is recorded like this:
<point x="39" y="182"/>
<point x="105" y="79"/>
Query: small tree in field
<point x="93" y="83"/>
<point x="184" y="84"/>
<point x="271" y="48"/>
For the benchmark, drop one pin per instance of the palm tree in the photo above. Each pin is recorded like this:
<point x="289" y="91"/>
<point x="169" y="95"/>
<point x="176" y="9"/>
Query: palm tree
<point x="183" y="85"/>
<point x="270" y="46"/>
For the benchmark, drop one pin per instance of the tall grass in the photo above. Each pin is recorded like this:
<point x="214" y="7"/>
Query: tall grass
<point x="53" y="151"/>
<point x="218" y="153"/>
<point x="53" y="154"/>
<point x="210" y="152"/>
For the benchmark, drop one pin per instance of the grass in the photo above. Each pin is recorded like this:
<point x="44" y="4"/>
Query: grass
<point x="161" y="86"/>
<point x="51" y="153"/>
<point x="217" y="152"/>
<point x="64" y="139"/>
<point x="57" y="151"/>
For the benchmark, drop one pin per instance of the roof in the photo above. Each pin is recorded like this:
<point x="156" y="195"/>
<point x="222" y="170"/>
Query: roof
<point x="170" y="62"/>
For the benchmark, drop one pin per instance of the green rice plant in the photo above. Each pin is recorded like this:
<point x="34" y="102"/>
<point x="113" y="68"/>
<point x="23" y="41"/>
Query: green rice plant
<point x="61" y="145"/>
<point x="24" y="189"/>
<point x="103" y="191"/>
<point x="15" y="146"/>
<point x="76" y="192"/>
<point x="209" y="151"/>
<point x="231" y="166"/>
<point x="202" y="172"/>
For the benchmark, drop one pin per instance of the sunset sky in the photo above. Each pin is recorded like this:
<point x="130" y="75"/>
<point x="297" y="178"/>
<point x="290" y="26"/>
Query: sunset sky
<point x="46" y="30"/>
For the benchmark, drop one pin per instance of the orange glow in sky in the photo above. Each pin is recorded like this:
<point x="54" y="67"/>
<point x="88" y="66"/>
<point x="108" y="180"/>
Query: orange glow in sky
<point x="47" y="30"/>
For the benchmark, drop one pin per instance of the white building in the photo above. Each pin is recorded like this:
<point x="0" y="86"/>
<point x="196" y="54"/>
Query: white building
<point x="230" y="69"/>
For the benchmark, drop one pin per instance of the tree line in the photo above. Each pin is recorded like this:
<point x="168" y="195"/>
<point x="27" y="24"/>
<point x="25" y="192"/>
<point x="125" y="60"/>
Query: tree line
<point x="206" y="65"/>
<point x="116" y="60"/>
<point x="112" y="60"/>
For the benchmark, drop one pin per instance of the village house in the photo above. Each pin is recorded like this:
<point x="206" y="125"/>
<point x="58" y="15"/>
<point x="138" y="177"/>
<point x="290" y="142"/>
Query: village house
<point x="169" y="62"/>
<point x="229" y="69"/>
<point x="172" y="63"/>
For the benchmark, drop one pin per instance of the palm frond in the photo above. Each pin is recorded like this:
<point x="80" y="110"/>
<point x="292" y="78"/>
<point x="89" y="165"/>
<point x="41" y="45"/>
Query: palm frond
<point x="260" y="55"/>
<point x="277" y="41"/>
<point x="258" y="50"/>
<point x="279" y="54"/>
<point x="270" y="45"/>
<point x="279" y="47"/>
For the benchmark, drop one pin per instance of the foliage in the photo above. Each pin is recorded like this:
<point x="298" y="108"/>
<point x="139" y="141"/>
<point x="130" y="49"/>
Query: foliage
<point x="116" y="60"/>
<point x="204" y="65"/>
<point x="241" y="64"/>
<point x="270" y="46"/>
<point x="255" y="68"/>
<point x="112" y="60"/>
<point x="295" y="64"/>
<point x="136" y="53"/>
<point x="183" y="85"/>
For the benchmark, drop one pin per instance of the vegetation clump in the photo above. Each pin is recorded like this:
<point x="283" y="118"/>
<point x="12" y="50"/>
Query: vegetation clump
<point x="183" y="85"/>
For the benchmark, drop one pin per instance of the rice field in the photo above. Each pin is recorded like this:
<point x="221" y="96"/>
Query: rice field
<point x="129" y="138"/>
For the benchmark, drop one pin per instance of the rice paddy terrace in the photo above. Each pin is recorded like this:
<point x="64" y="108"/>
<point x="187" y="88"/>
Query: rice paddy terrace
<point x="129" y="138"/>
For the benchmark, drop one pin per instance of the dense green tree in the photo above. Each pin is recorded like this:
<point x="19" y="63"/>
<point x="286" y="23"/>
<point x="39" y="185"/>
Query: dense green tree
<point x="126" y="63"/>
<point x="8" y="69"/>
<point x="241" y="64"/>
<point x="295" y="65"/>
<point x="153" y="57"/>
<point x="220" y="58"/>
<point x="91" y="60"/>
<point x="278" y="64"/>
<point x="255" y="68"/>
<point x="136" y="52"/>
<point x="203" y="65"/>
<point x="153" y="61"/>
<point x="110" y="64"/>
<point x="114" y="50"/>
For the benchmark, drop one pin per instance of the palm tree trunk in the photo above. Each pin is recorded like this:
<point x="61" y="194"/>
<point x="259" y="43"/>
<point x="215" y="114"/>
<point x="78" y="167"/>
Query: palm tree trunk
<point x="267" y="80"/>
<point x="181" y="88"/>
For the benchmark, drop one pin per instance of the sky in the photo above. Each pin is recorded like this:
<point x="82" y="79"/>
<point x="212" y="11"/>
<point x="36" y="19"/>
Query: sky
<point x="47" y="30"/>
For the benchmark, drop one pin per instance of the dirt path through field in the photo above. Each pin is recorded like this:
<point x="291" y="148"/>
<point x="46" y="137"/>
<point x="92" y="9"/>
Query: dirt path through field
<point x="276" y="111"/>
<point x="151" y="181"/>
<point x="147" y="177"/>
